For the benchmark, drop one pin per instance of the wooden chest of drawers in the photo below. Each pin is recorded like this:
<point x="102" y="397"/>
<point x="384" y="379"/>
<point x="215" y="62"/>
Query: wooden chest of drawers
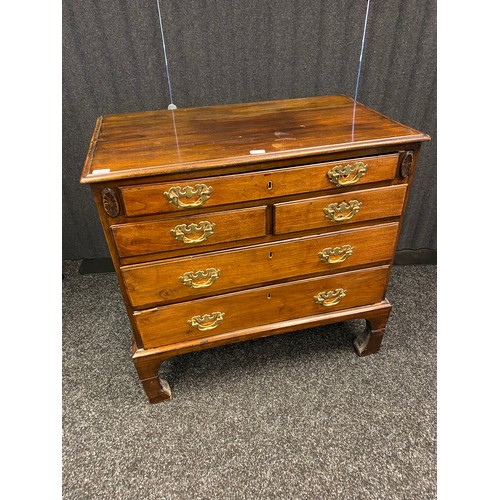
<point x="234" y="222"/>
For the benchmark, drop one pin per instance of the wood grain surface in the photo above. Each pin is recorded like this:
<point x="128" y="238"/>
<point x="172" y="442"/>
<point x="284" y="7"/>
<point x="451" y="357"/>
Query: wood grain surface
<point x="219" y="220"/>
<point x="309" y="213"/>
<point x="159" y="282"/>
<point x="147" y="199"/>
<point x="149" y="237"/>
<point x="271" y="304"/>
<point x="158" y="142"/>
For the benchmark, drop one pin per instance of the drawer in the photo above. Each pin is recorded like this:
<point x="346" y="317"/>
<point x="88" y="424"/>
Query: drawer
<point x="213" y="191"/>
<point x="217" y="272"/>
<point x="193" y="231"/>
<point x="337" y="210"/>
<point x="240" y="310"/>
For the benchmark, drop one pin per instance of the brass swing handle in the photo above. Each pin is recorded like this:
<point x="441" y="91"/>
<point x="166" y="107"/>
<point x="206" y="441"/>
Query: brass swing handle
<point x="345" y="175"/>
<point x="206" y="322"/>
<point x="336" y="255"/>
<point x="330" y="298"/>
<point x="339" y="212"/>
<point x="202" y="191"/>
<point x="182" y="232"/>
<point x="200" y="279"/>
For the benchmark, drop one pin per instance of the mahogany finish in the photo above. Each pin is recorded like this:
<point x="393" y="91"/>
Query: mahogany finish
<point x="309" y="213"/>
<point x="156" y="236"/>
<point x="147" y="362"/>
<point x="227" y="189"/>
<point x="233" y="222"/>
<point x="164" y="142"/>
<point x="261" y="306"/>
<point x="154" y="283"/>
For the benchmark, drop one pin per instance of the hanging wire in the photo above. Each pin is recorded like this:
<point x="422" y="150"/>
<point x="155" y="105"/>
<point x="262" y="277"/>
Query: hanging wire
<point x="359" y="67"/>
<point x="171" y="105"/>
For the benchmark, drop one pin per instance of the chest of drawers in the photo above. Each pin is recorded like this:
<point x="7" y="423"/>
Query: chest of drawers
<point x="229" y="223"/>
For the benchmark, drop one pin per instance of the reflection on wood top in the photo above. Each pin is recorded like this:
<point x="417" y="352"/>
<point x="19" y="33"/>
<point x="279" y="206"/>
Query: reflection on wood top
<point x="194" y="139"/>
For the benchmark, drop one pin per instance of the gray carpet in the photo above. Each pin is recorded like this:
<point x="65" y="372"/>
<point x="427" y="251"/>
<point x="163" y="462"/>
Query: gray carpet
<point x="295" y="416"/>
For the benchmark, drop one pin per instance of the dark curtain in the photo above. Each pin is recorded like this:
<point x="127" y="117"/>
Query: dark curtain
<point x="241" y="51"/>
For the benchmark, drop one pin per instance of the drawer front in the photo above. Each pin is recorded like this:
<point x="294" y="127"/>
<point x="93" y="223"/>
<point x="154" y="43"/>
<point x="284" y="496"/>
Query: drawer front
<point x="240" y="310"/>
<point x="337" y="210"/>
<point x="213" y="191"/>
<point x="193" y="231"/>
<point x="190" y="277"/>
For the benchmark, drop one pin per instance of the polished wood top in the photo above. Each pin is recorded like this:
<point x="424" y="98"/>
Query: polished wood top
<point x="195" y="139"/>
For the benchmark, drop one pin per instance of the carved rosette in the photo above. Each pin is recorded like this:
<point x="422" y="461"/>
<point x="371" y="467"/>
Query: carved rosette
<point x="406" y="164"/>
<point x="110" y="202"/>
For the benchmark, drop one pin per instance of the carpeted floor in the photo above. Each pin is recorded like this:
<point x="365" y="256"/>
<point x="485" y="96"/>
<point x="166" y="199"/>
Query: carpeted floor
<point x="295" y="416"/>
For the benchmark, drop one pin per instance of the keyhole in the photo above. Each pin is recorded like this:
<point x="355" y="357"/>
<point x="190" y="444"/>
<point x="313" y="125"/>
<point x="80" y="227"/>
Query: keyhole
<point x="270" y="255"/>
<point x="268" y="295"/>
<point x="270" y="185"/>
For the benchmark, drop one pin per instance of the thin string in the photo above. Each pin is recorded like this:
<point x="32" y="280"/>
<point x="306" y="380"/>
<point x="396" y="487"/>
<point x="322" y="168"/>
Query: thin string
<point x="359" y="68"/>
<point x="175" y="133"/>
<point x="171" y="105"/>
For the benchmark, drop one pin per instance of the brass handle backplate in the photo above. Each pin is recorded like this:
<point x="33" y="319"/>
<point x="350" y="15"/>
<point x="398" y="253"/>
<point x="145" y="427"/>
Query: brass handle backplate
<point x="182" y="232"/>
<point x="206" y="322"/>
<point x="330" y="298"/>
<point x="336" y="255"/>
<point x="339" y="212"/>
<point x="174" y="194"/>
<point x="200" y="279"/>
<point x="345" y="175"/>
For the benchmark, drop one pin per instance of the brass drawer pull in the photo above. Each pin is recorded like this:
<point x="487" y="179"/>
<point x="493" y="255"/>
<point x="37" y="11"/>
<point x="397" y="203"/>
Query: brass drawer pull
<point x="182" y="231"/>
<point x="336" y="255"/>
<point x="345" y="175"/>
<point x="330" y="298"/>
<point x="174" y="194"/>
<point x="339" y="212"/>
<point x="206" y="322"/>
<point x="200" y="279"/>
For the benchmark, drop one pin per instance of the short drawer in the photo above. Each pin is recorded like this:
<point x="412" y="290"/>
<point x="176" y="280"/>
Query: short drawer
<point x="201" y="230"/>
<point x="218" y="272"/>
<point x="213" y="191"/>
<point x="337" y="210"/>
<point x="241" y="310"/>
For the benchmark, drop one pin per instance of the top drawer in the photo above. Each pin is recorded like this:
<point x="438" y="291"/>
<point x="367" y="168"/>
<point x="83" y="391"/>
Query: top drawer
<point x="226" y="189"/>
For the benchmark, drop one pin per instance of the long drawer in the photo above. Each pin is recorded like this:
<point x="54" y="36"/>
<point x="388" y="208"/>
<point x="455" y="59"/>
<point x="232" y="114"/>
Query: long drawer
<point x="340" y="209"/>
<point x="213" y="273"/>
<point x="240" y="310"/>
<point x="213" y="191"/>
<point x="197" y="230"/>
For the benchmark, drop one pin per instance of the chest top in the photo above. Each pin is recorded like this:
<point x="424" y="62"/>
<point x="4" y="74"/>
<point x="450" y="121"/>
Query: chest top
<point x="195" y="139"/>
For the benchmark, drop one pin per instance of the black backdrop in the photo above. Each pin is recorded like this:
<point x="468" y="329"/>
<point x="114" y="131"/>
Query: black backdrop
<point x="229" y="51"/>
